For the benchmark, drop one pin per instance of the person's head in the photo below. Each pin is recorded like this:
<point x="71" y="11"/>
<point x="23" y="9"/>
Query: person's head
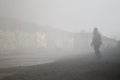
<point x="95" y="31"/>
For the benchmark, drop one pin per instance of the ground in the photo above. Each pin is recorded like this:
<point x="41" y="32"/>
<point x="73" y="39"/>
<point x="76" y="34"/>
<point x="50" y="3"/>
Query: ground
<point x="77" y="68"/>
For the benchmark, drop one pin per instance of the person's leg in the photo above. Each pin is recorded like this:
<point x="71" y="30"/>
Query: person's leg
<point x="97" y="52"/>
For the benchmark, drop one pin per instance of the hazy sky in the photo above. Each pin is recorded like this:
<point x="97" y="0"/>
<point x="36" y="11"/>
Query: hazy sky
<point x="71" y="15"/>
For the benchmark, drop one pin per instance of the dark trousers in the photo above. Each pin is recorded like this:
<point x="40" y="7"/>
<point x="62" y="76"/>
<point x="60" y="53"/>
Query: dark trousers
<point x="97" y="51"/>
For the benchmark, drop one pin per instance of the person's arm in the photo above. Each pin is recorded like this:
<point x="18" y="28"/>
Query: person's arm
<point x="92" y="41"/>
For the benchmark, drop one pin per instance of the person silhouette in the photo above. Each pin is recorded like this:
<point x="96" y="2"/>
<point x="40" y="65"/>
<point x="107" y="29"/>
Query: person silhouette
<point x="97" y="42"/>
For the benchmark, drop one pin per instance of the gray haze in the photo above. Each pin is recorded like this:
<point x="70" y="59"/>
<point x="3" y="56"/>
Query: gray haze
<point x="57" y="34"/>
<point x="70" y="15"/>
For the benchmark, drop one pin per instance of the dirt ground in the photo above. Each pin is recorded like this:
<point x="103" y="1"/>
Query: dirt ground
<point x="77" y="68"/>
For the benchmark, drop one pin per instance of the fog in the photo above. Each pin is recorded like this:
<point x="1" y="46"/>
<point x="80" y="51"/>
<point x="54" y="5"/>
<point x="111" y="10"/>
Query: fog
<point x="24" y="43"/>
<point x="70" y="15"/>
<point x="63" y="25"/>
<point x="59" y="39"/>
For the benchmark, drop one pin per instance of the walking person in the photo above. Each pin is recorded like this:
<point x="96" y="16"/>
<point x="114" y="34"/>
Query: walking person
<point x="97" y="42"/>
